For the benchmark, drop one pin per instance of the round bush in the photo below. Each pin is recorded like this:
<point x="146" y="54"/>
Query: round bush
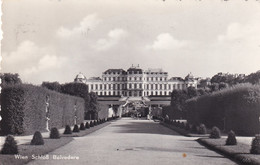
<point x="76" y="128"/>
<point x="67" y="130"/>
<point x="54" y="133"/>
<point x="182" y="125"/>
<point x="194" y="129"/>
<point x="215" y="133"/>
<point x="255" y="146"/>
<point x="231" y="140"/>
<point x="95" y="123"/>
<point x="91" y="124"/>
<point x="82" y="127"/>
<point x="10" y="146"/>
<point x="37" y="139"/>
<point x="202" y="129"/>
<point x="187" y="127"/>
<point x="87" y="125"/>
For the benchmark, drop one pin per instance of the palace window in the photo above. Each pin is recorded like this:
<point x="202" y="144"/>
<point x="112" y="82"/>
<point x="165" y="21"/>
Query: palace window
<point x="109" y="86"/>
<point x="160" y="86"/>
<point x="118" y="86"/>
<point x="140" y="85"/>
<point x="169" y="86"/>
<point x="96" y="86"/>
<point x="156" y="86"/>
<point x="91" y="86"/>
<point x="152" y="78"/>
<point x="100" y="86"/>
<point x="140" y="93"/>
<point x="161" y="93"/>
<point x="147" y="86"/>
<point x="165" y="93"/>
<point x="135" y="86"/>
<point x="165" y="86"/>
<point x="109" y="93"/>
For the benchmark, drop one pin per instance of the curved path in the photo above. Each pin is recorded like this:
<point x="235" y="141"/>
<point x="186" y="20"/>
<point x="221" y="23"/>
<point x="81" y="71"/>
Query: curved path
<point x="133" y="142"/>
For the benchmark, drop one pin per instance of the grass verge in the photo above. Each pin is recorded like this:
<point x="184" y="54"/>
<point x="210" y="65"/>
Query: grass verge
<point x="239" y="153"/>
<point x="29" y="151"/>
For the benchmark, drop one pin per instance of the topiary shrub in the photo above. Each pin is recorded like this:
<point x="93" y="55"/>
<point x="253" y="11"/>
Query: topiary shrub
<point x="194" y="129"/>
<point x="67" y="130"/>
<point x="215" y="133"/>
<point x="91" y="124"/>
<point x="231" y="140"/>
<point x="95" y="123"/>
<point x="37" y="139"/>
<point x="10" y="146"/>
<point x="187" y="127"/>
<point x="202" y="129"/>
<point x="54" y="133"/>
<point x="87" y="125"/>
<point x="255" y="146"/>
<point x="76" y="128"/>
<point x="82" y="127"/>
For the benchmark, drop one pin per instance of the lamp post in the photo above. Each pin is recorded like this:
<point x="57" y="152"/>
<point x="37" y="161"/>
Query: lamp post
<point x="47" y="112"/>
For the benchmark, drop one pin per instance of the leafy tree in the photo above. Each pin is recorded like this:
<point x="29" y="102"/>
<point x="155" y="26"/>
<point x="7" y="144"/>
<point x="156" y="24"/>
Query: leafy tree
<point x="253" y="78"/>
<point x="75" y="89"/>
<point x="10" y="79"/>
<point x="55" y="86"/>
<point x="222" y="85"/>
<point x="192" y="92"/>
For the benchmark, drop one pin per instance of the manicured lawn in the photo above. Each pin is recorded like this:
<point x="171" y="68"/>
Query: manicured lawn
<point x="49" y="145"/>
<point x="239" y="152"/>
<point x="29" y="150"/>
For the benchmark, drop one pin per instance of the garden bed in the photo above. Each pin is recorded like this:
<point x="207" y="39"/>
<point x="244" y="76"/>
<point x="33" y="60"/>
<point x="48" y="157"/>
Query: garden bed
<point x="239" y="153"/>
<point x="28" y="151"/>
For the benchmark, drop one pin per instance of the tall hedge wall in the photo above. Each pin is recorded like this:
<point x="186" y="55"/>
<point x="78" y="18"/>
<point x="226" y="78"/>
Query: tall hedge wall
<point x="102" y="110"/>
<point x="236" y="108"/>
<point x="24" y="109"/>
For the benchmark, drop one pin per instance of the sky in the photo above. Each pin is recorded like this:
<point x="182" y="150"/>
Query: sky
<point x="54" y="40"/>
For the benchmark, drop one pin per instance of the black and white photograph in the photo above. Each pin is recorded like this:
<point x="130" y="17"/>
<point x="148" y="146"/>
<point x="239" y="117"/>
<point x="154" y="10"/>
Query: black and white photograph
<point x="130" y="82"/>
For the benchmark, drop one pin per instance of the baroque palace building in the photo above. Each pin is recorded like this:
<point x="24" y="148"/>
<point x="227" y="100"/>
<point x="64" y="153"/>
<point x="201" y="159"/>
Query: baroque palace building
<point x="136" y="82"/>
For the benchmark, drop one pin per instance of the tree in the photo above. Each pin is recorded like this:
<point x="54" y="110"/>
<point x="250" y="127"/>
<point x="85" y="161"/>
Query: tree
<point x="10" y="79"/>
<point x="75" y="89"/>
<point x="192" y="92"/>
<point x="253" y="78"/>
<point x="55" y="86"/>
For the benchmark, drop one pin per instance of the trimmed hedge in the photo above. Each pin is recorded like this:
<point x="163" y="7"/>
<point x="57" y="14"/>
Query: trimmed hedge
<point x="10" y="146"/>
<point x="231" y="140"/>
<point x="54" y="134"/>
<point x="24" y="109"/>
<point x="37" y="139"/>
<point x="67" y="130"/>
<point x="255" y="146"/>
<point x="76" y="128"/>
<point x="235" y="108"/>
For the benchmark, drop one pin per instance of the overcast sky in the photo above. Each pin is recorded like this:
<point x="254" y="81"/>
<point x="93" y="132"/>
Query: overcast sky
<point x="53" y="40"/>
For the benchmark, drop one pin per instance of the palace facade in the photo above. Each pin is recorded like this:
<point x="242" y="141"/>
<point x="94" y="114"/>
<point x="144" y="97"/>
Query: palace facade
<point x="135" y="82"/>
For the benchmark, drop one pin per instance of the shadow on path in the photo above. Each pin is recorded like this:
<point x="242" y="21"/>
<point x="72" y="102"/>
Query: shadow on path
<point x="144" y="127"/>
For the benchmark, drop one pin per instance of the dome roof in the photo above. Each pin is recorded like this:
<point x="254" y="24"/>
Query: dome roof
<point x="80" y="76"/>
